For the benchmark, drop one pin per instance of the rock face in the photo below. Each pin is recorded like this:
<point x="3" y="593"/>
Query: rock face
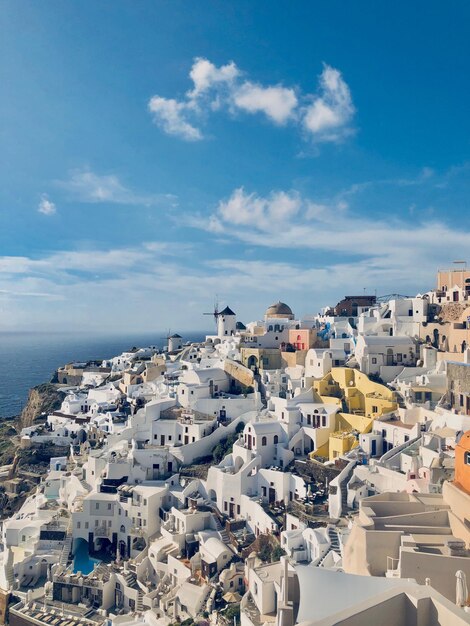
<point x="44" y="398"/>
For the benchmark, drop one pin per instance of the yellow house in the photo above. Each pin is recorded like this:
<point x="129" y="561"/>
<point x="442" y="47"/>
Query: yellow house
<point x="362" y="401"/>
<point x="261" y="358"/>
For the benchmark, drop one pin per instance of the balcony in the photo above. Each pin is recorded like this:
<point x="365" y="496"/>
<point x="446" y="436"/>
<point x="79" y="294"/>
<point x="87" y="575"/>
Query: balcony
<point x="393" y="568"/>
<point x="102" y="531"/>
<point x="138" y="531"/>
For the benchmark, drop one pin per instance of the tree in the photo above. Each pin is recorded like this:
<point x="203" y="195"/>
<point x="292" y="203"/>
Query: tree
<point x="276" y="553"/>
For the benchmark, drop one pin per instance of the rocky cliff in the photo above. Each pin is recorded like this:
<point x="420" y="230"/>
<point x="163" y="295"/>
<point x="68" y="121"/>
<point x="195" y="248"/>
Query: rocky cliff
<point x="44" y="398"/>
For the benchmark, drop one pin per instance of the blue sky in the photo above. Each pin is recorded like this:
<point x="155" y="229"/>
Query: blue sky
<point x="156" y="154"/>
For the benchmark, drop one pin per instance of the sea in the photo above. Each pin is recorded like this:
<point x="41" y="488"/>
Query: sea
<point x="28" y="359"/>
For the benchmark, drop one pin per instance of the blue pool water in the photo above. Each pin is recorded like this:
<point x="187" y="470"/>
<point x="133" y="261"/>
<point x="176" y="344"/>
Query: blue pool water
<point x="82" y="561"/>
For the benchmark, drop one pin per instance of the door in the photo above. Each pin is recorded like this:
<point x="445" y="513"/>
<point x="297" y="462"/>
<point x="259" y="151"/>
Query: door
<point x="272" y="495"/>
<point x="374" y="447"/>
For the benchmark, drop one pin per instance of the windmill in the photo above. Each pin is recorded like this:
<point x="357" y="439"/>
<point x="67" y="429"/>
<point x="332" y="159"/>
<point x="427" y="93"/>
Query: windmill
<point x="215" y="312"/>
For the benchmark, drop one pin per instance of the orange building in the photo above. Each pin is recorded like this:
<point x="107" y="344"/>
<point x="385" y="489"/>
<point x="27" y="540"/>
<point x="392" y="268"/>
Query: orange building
<point x="302" y="338"/>
<point x="462" y="463"/>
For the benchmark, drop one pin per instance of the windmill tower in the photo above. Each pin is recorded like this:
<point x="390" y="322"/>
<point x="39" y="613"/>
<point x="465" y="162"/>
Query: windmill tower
<point x="226" y="323"/>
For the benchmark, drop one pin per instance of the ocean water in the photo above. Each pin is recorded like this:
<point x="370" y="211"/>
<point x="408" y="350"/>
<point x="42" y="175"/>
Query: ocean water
<point x="28" y="359"/>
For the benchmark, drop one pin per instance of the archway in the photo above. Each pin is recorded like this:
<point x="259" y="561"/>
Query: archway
<point x="252" y="362"/>
<point x="238" y="463"/>
<point x="122" y="549"/>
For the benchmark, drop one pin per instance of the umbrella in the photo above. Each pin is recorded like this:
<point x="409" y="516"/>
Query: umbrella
<point x="231" y="597"/>
<point x="461" y="592"/>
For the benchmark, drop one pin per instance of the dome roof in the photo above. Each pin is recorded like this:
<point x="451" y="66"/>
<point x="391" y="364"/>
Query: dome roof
<point x="279" y="309"/>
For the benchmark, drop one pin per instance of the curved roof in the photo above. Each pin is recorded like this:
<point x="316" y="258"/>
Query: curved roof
<point x="215" y="547"/>
<point x="279" y="309"/>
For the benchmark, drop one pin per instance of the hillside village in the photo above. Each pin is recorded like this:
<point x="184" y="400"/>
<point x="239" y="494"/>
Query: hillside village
<point x="283" y="471"/>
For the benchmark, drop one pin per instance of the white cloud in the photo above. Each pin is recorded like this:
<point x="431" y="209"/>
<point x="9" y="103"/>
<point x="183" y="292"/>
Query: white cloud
<point x="262" y="213"/>
<point x="287" y="221"/>
<point x="330" y="113"/>
<point x="170" y="115"/>
<point x="46" y="207"/>
<point x="86" y="186"/>
<point x="205" y="75"/>
<point x="277" y="103"/>
<point x="325" y="115"/>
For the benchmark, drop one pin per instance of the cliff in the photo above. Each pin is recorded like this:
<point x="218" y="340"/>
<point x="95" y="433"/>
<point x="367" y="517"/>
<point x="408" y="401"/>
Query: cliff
<point x="44" y="398"/>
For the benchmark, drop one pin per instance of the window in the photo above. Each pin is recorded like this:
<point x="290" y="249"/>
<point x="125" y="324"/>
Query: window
<point x="467" y="458"/>
<point x="97" y="505"/>
<point x="86" y="525"/>
<point x="399" y="358"/>
<point x="109" y="506"/>
<point x="276" y="439"/>
<point x="375" y="409"/>
<point x="78" y="524"/>
<point x="264" y="441"/>
<point x="374" y="360"/>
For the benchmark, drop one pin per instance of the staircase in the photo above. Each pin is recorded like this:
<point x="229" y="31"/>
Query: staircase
<point x="344" y="497"/>
<point x="140" y="601"/>
<point x="334" y="539"/>
<point x="67" y="547"/>
<point x="9" y="574"/>
<point x="165" y="551"/>
<point x="221" y="530"/>
<point x="130" y="578"/>
<point x="334" y="545"/>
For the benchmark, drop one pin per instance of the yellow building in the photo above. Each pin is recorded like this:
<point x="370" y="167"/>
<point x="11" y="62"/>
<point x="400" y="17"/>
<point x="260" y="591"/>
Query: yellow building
<point x="261" y="358"/>
<point x="362" y="401"/>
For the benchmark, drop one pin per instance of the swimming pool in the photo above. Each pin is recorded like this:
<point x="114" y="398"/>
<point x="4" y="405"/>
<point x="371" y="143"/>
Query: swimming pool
<point x="82" y="561"/>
